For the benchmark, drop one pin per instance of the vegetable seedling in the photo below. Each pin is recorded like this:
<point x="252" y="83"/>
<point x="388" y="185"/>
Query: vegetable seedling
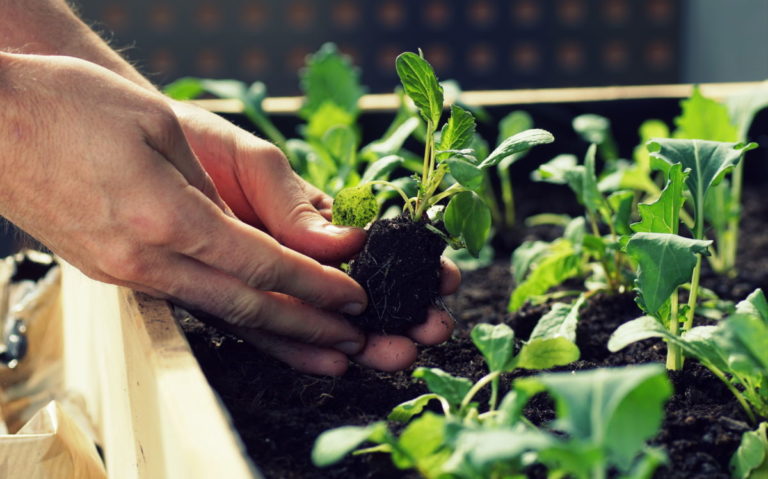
<point x="399" y="264"/>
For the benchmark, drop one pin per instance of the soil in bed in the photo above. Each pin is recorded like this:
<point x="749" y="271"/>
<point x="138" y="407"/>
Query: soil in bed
<point x="279" y="412"/>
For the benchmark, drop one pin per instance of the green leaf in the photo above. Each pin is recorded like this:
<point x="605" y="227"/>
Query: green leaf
<point x="563" y="169"/>
<point x="341" y="144"/>
<point x="749" y="460"/>
<point x="419" y="442"/>
<point x="467" y="217"/>
<point x="355" y="206"/>
<point x="743" y="107"/>
<point x="591" y="195"/>
<point x="560" y="263"/>
<point x="518" y="143"/>
<point x="330" y="77"/>
<point x="496" y="343"/>
<point x="186" y="88"/>
<point x="704" y="119"/>
<point x="559" y="322"/>
<point x="453" y="389"/>
<point x="708" y="161"/>
<point x="621" y="203"/>
<point x="457" y="134"/>
<point x="465" y="173"/>
<point x="755" y="304"/>
<point x="525" y="256"/>
<point x="405" y="411"/>
<point x="478" y="450"/>
<point x="381" y="168"/>
<point x="615" y="409"/>
<point x="225" y="88"/>
<point x="331" y="446"/>
<point x="545" y="353"/>
<point x="514" y="123"/>
<point x="420" y="84"/>
<point x="593" y="129"/>
<point x="327" y="116"/>
<point x="393" y="140"/>
<point x="665" y="261"/>
<point x="663" y="215"/>
<point x="644" y="327"/>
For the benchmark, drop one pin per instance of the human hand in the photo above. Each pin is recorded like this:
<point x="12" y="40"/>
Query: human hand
<point x="260" y="187"/>
<point x="99" y="170"/>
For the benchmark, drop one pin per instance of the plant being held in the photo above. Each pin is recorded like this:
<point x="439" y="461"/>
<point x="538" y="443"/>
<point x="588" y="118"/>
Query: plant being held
<point x="465" y="441"/>
<point x="412" y="247"/>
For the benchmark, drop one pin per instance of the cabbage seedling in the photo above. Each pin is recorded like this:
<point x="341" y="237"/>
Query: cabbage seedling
<point x="399" y="264"/>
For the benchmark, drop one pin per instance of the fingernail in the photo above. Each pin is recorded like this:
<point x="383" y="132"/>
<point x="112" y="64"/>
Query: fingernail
<point x="348" y="347"/>
<point x="352" y="308"/>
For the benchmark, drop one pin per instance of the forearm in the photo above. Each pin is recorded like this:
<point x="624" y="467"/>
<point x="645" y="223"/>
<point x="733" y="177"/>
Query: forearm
<point x="50" y="27"/>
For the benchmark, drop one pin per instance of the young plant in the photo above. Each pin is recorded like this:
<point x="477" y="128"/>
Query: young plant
<point x="399" y="264"/>
<point x="583" y="250"/>
<point x="463" y="441"/>
<point x="735" y="350"/>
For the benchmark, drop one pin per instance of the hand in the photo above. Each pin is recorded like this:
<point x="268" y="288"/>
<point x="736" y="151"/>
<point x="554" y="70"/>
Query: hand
<point x="256" y="181"/>
<point x="98" y="169"/>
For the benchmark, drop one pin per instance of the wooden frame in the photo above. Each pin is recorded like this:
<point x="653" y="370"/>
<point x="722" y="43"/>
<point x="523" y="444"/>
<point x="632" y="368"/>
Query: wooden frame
<point x="153" y="410"/>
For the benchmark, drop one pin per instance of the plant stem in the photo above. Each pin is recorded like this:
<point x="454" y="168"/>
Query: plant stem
<point x="674" y="353"/>
<point x="477" y="387"/>
<point x="596" y="231"/>
<point x="406" y="200"/>
<point x="494" y="394"/>
<point x="452" y="190"/>
<point x="507" y="198"/>
<point x="729" y="255"/>
<point x="693" y="294"/>
<point x="734" y="391"/>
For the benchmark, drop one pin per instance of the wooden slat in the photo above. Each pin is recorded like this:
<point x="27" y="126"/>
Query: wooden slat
<point x="154" y="410"/>
<point x="390" y="102"/>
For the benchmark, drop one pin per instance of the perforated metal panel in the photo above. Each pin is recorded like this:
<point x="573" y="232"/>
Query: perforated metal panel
<point x="497" y="44"/>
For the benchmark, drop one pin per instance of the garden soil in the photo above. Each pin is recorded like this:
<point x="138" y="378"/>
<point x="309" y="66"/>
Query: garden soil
<point x="279" y="412"/>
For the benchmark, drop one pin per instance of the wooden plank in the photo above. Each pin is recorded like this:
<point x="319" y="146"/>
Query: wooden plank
<point x="390" y="102"/>
<point x="155" y="412"/>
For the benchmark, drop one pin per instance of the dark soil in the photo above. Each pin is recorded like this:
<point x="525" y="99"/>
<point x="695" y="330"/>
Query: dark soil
<point x="399" y="268"/>
<point x="279" y="412"/>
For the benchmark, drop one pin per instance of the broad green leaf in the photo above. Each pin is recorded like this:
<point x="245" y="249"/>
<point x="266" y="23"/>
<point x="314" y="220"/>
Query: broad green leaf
<point x="621" y="204"/>
<point x="591" y="195"/>
<point x="420" y="84"/>
<point x="518" y="143"/>
<point x="327" y="116"/>
<point x="341" y="143"/>
<point x="187" y="88"/>
<point x="496" y="343"/>
<point x="644" y="327"/>
<point x="354" y="206"/>
<point x="381" y="168"/>
<point x="467" y="217"/>
<point x="665" y="261"/>
<point x="708" y="161"/>
<point x="419" y="442"/>
<point x="465" y="173"/>
<point x="405" y="411"/>
<point x="225" y="88"/>
<point x="453" y="389"/>
<point x="704" y="119"/>
<point x="645" y="467"/>
<point x="559" y="322"/>
<point x="755" y="304"/>
<point x="560" y="263"/>
<point x="330" y="77"/>
<point x="743" y="107"/>
<point x="458" y="132"/>
<point x="744" y="338"/>
<point x="616" y="409"/>
<point x="392" y="141"/>
<point x="663" y="215"/>
<point x="545" y="353"/>
<point x="594" y="129"/>
<point x="749" y="460"/>
<point x="331" y="446"/>
<point x="526" y="255"/>
<point x="478" y="450"/>
<point x="514" y="123"/>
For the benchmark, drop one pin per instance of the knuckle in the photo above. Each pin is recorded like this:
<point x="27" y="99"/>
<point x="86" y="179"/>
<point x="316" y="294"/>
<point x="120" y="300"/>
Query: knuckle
<point x="125" y="263"/>
<point x="271" y="156"/>
<point x="266" y="273"/>
<point x="250" y="312"/>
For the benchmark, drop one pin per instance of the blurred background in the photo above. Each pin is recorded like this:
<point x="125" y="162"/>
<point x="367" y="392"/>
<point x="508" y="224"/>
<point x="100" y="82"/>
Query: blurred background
<point x="483" y="44"/>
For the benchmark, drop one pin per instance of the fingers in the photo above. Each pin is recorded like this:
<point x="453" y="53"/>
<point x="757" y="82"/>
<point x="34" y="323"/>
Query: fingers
<point x="387" y="353"/>
<point x="199" y="286"/>
<point x="435" y="330"/>
<point x="291" y="210"/>
<point x="450" y="276"/>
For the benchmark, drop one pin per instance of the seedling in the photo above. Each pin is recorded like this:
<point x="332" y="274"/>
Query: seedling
<point x="449" y="172"/>
<point x="464" y="441"/>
